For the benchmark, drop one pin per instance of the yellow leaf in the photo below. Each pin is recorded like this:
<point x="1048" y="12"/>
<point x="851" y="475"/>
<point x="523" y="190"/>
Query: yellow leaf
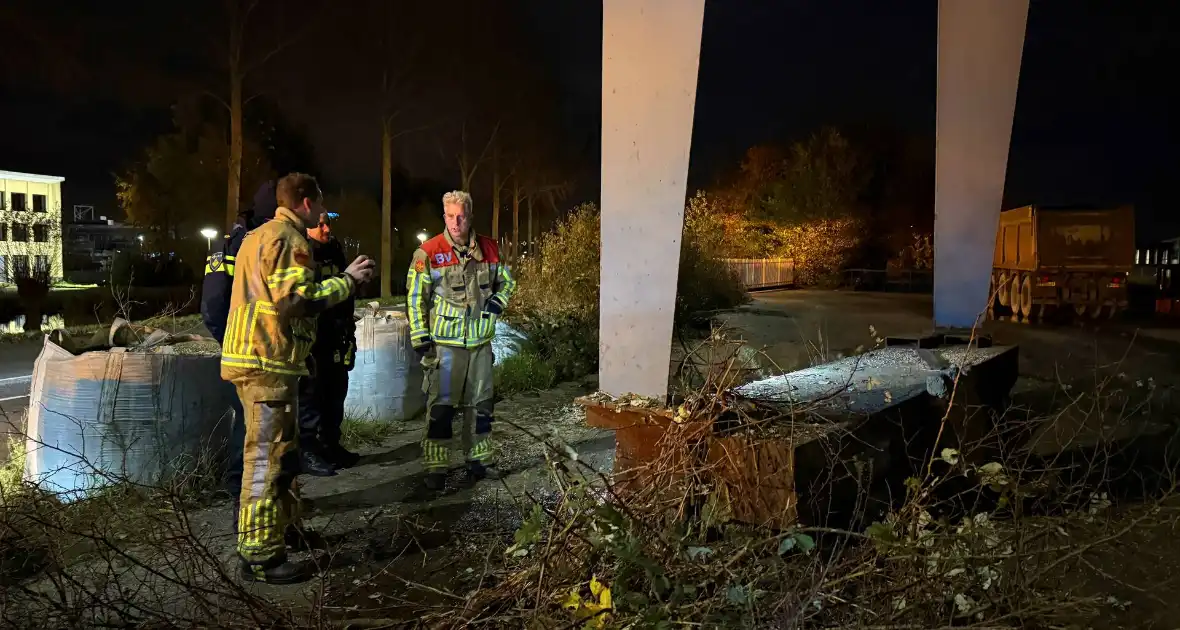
<point x="573" y="601"/>
<point x="601" y="592"/>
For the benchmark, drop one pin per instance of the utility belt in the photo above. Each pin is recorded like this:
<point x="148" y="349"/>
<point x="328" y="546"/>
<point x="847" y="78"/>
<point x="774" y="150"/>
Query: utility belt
<point x="340" y="351"/>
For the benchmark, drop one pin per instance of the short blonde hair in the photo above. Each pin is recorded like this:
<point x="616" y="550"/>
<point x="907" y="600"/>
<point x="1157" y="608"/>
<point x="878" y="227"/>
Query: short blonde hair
<point x="459" y="198"/>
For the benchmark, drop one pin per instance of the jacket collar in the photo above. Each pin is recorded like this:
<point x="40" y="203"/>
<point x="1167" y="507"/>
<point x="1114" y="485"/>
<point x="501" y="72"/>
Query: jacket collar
<point x="473" y="249"/>
<point x="288" y="215"/>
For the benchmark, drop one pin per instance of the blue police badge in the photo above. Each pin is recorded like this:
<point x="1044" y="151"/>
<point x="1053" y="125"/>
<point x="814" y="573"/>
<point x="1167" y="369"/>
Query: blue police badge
<point x="216" y="260"/>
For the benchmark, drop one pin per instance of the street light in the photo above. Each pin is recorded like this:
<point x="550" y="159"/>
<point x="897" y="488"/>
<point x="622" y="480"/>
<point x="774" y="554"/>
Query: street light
<point x="422" y="236"/>
<point x="139" y="237"/>
<point x="209" y="233"/>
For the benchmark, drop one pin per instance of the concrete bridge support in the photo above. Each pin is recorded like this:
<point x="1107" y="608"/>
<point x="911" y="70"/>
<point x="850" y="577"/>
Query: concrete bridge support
<point x="650" y="55"/>
<point x="979" y="50"/>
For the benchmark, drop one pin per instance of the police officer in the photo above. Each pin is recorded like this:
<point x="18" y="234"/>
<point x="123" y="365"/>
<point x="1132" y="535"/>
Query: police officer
<point x="269" y="334"/>
<point x="215" y="293"/>
<point x="458" y="287"/>
<point x="321" y="395"/>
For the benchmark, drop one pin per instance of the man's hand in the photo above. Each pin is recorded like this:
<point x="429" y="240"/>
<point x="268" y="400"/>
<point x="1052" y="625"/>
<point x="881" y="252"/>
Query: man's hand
<point x="422" y="348"/>
<point x="493" y="306"/>
<point x="361" y="269"/>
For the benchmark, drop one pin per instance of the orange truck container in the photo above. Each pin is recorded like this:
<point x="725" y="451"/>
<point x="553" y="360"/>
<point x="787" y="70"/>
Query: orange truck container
<point x="1050" y="258"/>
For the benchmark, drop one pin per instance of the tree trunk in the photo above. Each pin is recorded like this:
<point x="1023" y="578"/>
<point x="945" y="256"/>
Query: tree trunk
<point x="234" y="188"/>
<point x="516" y="195"/>
<point x="386" y="268"/>
<point x="496" y="193"/>
<point x="530" y="238"/>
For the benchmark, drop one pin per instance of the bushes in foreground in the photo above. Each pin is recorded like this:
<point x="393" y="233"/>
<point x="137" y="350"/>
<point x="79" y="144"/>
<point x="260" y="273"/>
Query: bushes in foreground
<point x="556" y="303"/>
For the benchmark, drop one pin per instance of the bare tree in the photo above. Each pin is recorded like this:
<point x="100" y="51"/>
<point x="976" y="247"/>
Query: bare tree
<point x="240" y="63"/>
<point x="469" y="164"/>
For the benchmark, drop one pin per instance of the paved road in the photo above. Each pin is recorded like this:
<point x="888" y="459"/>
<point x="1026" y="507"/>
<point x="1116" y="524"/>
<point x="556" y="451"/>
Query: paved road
<point x="803" y="327"/>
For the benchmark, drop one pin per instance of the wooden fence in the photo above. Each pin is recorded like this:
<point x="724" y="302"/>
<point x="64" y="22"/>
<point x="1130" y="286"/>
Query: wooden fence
<point x="763" y="273"/>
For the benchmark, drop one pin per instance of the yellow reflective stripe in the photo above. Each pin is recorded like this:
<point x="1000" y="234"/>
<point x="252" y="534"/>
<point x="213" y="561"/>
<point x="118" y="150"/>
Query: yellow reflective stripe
<point x="269" y="365"/>
<point x="507" y="285"/>
<point x="435" y="454"/>
<point x="417" y="282"/>
<point x="283" y="275"/>
<point x="326" y="289"/>
<point x="228" y="268"/>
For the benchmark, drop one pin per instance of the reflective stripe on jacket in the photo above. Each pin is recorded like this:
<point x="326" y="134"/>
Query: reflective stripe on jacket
<point x="275" y="300"/>
<point x="449" y="288"/>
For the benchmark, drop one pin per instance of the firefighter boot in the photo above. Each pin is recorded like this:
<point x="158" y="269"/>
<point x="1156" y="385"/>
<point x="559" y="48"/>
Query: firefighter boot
<point x="314" y="464"/>
<point x="275" y="571"/>
<point x="435" y="481"/>
<point x="341" y="457"/>
<point x="303" y="539"/>
<point x="477" y="471"/>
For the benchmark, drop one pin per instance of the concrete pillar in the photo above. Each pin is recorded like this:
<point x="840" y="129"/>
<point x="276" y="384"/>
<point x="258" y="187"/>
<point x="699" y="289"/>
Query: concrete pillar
<point x="979" y="49"/>
<point x="650" y="54"/>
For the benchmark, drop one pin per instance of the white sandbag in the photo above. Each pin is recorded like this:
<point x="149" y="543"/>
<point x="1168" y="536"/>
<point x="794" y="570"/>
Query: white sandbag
<point x="143" y="417"/>
<point x="386" y="380"/>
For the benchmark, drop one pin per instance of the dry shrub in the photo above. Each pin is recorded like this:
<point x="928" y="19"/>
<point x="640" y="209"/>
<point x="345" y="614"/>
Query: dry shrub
<point x="556" y="303"/>
<point x="820" y="247"/>
<point x="977" y="537"/>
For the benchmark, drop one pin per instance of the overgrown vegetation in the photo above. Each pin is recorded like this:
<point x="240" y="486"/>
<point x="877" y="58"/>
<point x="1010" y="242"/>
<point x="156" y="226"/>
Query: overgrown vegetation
<point x="525" y="371"/>
<point x="975" y="537"/>
<point x="556" y="303"/>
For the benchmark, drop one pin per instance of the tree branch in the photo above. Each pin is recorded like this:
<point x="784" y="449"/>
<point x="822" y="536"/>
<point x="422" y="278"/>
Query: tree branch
<point x="217" y="98"/>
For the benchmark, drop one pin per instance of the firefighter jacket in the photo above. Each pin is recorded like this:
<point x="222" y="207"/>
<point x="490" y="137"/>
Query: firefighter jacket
<point x="275" y="300"/>
<point x="456" y="292"/>
<point x="219" y="276"/>
<point x="335" y="339"/>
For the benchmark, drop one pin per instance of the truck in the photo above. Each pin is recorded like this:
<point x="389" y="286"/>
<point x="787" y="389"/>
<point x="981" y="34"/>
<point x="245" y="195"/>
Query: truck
<point x="1061" y="259"/>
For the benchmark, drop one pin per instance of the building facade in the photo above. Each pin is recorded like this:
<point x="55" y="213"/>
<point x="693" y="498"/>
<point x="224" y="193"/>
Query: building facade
<point x="30" y="227"/>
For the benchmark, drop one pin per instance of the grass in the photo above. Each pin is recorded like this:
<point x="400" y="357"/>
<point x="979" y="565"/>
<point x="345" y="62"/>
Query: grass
<point x="525" y="371"/>
<point x="365" y="430"/>
<point x="393" y="300"/>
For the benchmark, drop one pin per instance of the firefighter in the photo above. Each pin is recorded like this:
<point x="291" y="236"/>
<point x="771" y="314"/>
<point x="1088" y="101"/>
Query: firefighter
<point x="215" y="292"/>
<point x="321" y="397"/>
<point x="269" y="334"/>
<point x="458" y="287"/>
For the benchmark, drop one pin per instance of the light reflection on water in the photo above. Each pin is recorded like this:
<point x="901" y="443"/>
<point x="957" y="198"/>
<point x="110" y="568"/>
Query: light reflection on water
<point x="17" y="325"/>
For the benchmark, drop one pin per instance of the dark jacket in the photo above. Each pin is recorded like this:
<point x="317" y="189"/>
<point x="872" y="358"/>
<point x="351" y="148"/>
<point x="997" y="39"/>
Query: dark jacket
<point x="336" y="328"/>
<point x="219" y="266"/>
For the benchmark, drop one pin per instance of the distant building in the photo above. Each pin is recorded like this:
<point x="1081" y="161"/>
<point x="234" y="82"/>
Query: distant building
<point x="92" y="243"/>
<point x="30" y="226"/>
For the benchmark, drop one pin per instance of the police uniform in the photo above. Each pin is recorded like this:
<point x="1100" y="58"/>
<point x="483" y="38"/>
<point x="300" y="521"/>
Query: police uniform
<point x="455" y="295"/>
<point x="321" y="395"/>
<point x="269" y="334"/>
<point x="215" y="296"/>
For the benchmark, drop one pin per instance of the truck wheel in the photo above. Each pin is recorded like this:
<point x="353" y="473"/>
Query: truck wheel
<point x="1026" y="302"/>
<point x="1002" y="290"/>
<point x="1014" y="295"/>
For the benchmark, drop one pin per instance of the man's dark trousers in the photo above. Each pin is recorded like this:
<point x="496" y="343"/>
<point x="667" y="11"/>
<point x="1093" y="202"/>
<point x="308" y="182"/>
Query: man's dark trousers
<point x="237" y="440"/>
<point x="321" y="405"/>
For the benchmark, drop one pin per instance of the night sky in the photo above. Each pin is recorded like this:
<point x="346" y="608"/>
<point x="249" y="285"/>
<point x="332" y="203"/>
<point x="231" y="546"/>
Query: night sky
<point x="1094" y="121"/>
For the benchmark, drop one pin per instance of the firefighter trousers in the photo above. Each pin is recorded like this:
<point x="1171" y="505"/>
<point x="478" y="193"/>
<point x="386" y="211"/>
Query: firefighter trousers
<point x="321" y="405"/>
<point x="457" y="381"/>
<point x="269" y="501"/>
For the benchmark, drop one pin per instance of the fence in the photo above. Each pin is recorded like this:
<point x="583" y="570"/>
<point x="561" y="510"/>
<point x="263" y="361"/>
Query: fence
<point x="763" y="273"/>
<point x="903" y="280"/>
